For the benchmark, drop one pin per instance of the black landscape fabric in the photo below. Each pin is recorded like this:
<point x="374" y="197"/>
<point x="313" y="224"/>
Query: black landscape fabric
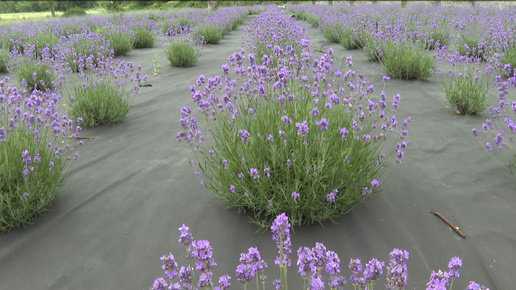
<point x="133" y="187"/>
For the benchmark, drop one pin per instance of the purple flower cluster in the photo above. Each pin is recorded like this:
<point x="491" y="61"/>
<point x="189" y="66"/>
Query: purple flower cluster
<point x="397" y="269"/>
<point x="317" y="266"/>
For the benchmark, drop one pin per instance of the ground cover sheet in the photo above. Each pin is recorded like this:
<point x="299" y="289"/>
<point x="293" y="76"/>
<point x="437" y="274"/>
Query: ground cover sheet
<point x="132" y="188"/>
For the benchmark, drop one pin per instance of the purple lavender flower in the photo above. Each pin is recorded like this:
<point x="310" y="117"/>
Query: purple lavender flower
<point x="159" y="284"/>
<point x="224" y="282"/>
<point x="225" y="162"/>
<point x="374" y="183"/>
<point x="185" y="238"/>
<point x="488" y="147"/>
<point x="254" y="173"/>
<point x="373" y="270"/>
<point x="280" y="229"/>
<point x="286" y="120"/>
<point x="330" y="197"/>
<point x="323" y="124"/>
<point x="355" y="265"/>
<point x="243" y="134"/>
<point x="270" y="138"/>
<point x="316" y="283"/>
<point x="302" y="128"/>
<point x="454" y="266"/>
<point x="267" y="171"/>
<point x="232" y="188"/>
<point x="295" y="195"/>
<point x="304" y="261"/>
<point x="397" y="269"/>
<point x="185" y="277"/>
<point x="438" y="280"/>
<point x="169" y="266"/>
<point x="343" y="132"/>
<point x="332" y="263"/>
<point x="277" y="284"/>
<point x="475" y="286"/>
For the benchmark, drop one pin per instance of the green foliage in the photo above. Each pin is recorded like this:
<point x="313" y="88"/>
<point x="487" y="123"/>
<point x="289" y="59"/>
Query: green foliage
<point x="374" y="49"/>
<point x="34" y="149"/>
<point x="470" y="47"/>
<point x="314" y="20"/>
<point x="4" y="60"/>
<point x="436" y="39"/>
<point x="99" y="102"/>
<point x="211" y="33"/>
<point x="333" y="32"/>
<point x="302" y="16"/>
<point x="354" y="39"/>
<point x="182" y="53"/>
<point x="311" y="166"/>
<point x="42" y="44"/>
<point x="120" y="42"/>
<point x="15" y="208"/>
<point x="74" y="11"/>
<point x="78" y="48"/>
<point x="36" y="75"/>
<point x="407" y="62"/>
<point x="143" y="38"/>
<point x="509" y="58"/>
<point x="467" y="93"/>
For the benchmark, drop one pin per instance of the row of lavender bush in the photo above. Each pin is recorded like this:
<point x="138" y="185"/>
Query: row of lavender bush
<point x="473" y="48"/>
<point x="71" y="79"/>
<point x="318" y="267"/>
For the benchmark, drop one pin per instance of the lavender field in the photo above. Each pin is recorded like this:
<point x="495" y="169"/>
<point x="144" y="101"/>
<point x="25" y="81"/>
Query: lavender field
<point x="316" y="140"/>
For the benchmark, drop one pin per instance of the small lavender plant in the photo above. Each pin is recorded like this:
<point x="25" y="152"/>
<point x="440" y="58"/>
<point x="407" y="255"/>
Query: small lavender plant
<point x="103" y="95"/>
<point x="467" y="91"/>
<point x="184" y="50"/>
<point x="407" y="61"/>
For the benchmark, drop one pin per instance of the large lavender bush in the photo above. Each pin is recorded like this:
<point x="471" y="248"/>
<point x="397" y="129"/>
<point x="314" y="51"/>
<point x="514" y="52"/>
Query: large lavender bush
<point x="35" y="147"/>
<point x="293" y="137"/>
<point x="317" y="266"/>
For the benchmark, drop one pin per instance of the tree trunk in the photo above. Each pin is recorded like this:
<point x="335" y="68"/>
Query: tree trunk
<point x="210" y="6"/>
<point x="313" y="2"/>
<point x="53" y="8"/>
<point x="403" y="3"/>
<point x="330" y="2"/>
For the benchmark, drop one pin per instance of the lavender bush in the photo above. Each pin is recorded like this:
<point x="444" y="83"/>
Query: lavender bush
<point x="470" y="47"/>
<point x="407" y="61"/>
<point x="184" y="50"/>
<point x="143" y="38"/>
<point x="84" y="51"/>
<point x="210" y="32"/>
<point x="499" y="129"/>
<point x="289" y="140"/>
<point x="35" y="148"/>
<point x="4" y="61"/>
<point x="33" y="74"/>
<point x="467" y="90"/>
<point x="508" y="62"/>
<point x="101" y="96"/>
<point x="317" y="266"/>
<point x="120" y="42"/>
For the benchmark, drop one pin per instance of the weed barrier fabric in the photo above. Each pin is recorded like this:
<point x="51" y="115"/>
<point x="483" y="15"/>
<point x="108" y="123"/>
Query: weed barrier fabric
<point x="133" y="187"/>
